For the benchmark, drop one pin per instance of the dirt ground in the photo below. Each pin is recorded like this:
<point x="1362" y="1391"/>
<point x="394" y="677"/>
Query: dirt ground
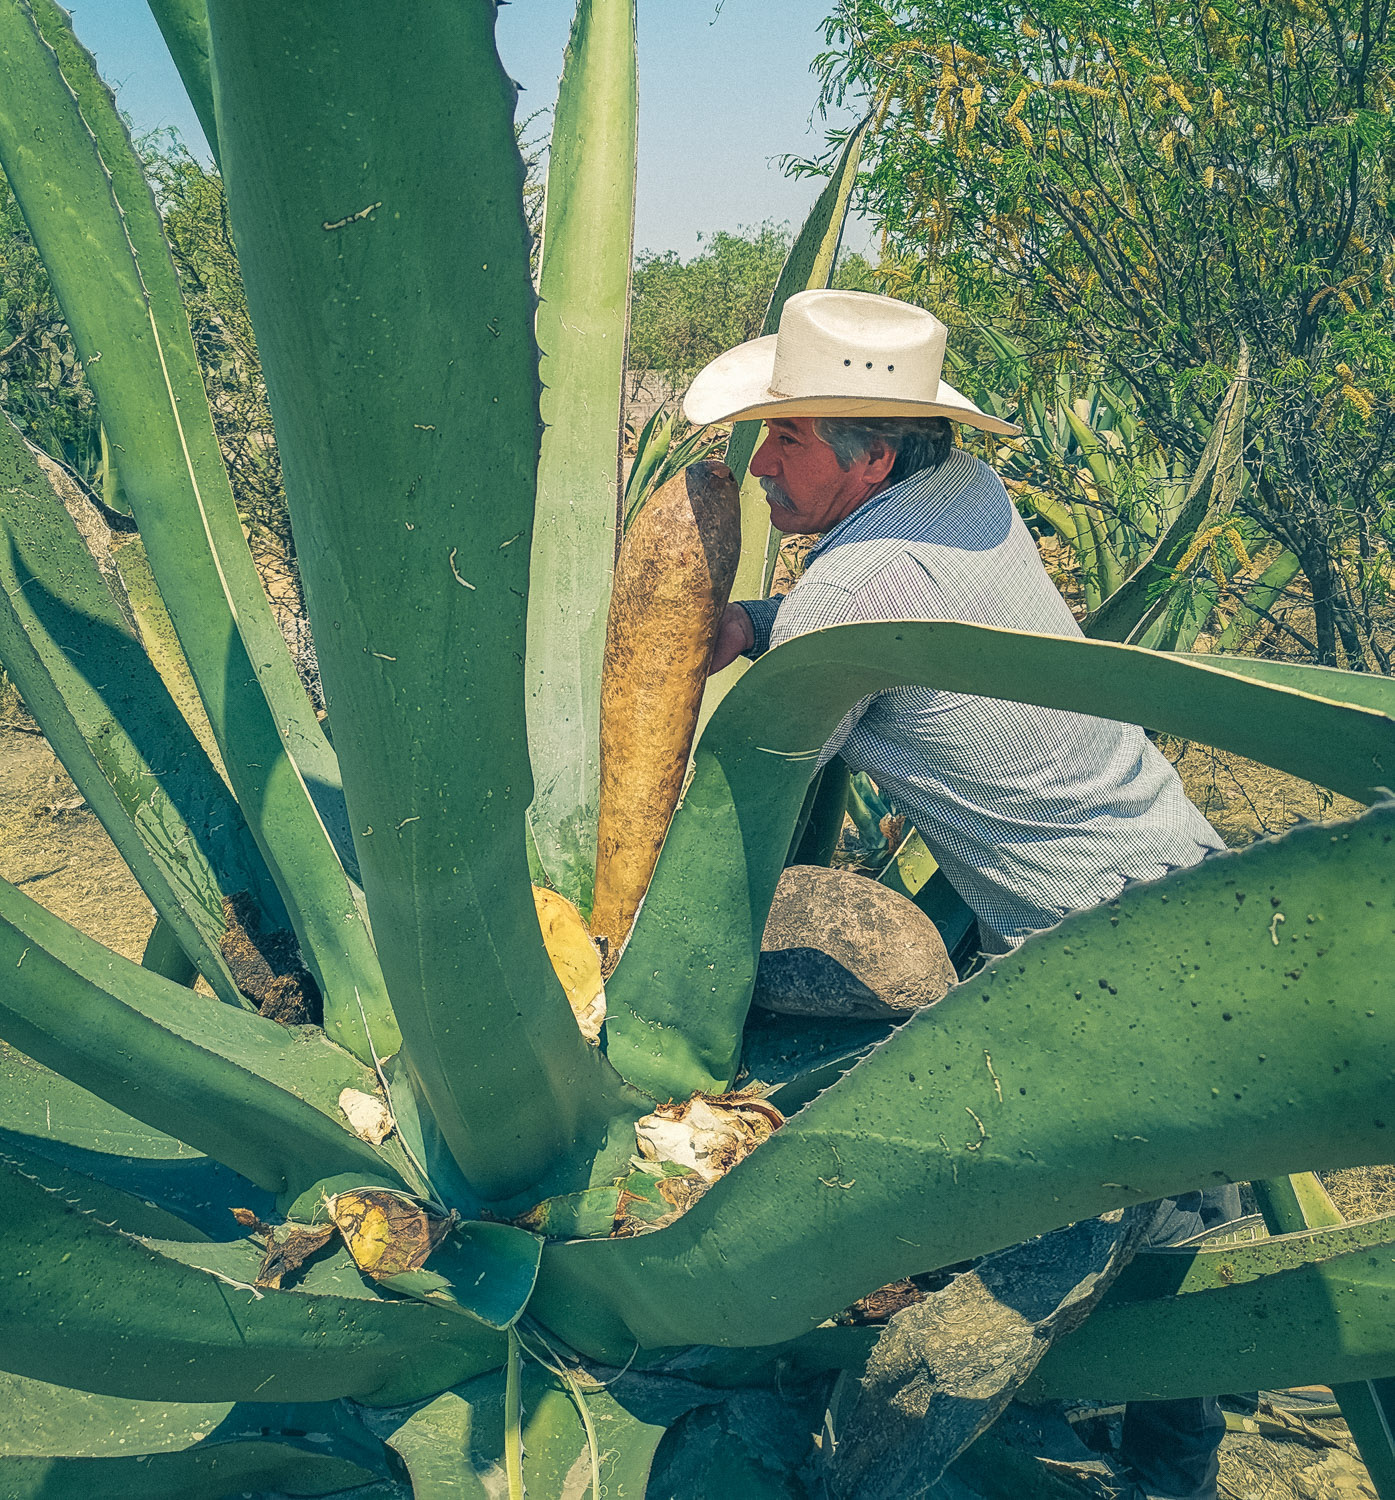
<point x="54" y="849"/>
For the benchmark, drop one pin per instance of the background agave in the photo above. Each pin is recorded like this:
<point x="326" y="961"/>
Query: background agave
<point x="1234" y="1021"/>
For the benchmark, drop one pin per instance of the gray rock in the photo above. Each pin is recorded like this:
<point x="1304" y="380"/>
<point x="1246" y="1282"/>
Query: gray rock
<point x="838" y="944"/>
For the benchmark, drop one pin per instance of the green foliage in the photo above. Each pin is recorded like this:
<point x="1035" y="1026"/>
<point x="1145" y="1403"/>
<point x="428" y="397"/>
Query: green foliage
<point x="41" y="383"/>
<point x="120" y="293"/>
<point x="1138" y="189"/>
<point x="68" y="1445"/>
<point x="421" y="635"/>
<point x="664" y="446"/>
<point x="726" y="845"/>
<point x="685" y="313"/>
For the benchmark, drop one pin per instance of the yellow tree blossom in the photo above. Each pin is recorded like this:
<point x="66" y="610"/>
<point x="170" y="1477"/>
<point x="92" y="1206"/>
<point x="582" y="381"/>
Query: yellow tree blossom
<point x="1206" y="539"/>
<point x="1028" y="89"/>
<point x="1076" y="87"/>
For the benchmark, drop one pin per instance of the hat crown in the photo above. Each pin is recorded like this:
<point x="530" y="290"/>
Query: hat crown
<point x="857" y="344"/>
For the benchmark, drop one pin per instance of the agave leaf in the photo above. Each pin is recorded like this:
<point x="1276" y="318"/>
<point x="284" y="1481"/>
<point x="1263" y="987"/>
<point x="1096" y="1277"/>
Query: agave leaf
<point x="156" y="632"/>
<point x="1055" y="513"/>
<point x="583" y="325"/>
<point x="163" y="955"/>
<point x="1363" y="689"/>
<point x="87" y="1306"/>
<point x="1301" y="1308"/>
<point x="255" y="1095"/>
<point x="154" y="387"/>
<point x="484" y="1270"/>
<point x="61" y="1444"/>
<point x="698" y="932"/>
<point x="1268" y="587"/>
<point x="810" y="264"/>
<point x="46" y="1115"/>
<point x="911" y="868"/>
<point x="1087" y="547"/>
<point x="184" y="26"/>
<point x="69" y="160"/>
<point x="1368" y="1409"/>
<point x="394" y="312"/>
<point x="106" y="713"/>
<point x="1182" y="617"/>
<point x="454" y="1446"/>
<point x="651" y="449"/>
<point x="1127" y="613"/>
<point x="1049" y="1087"/>
<point x="1092" y="449"/>
<point x="826" y="805"/>
<point x="437" y="1443"/>
<point x="114" y="1206"/>
<point x="1293" y="1205"/>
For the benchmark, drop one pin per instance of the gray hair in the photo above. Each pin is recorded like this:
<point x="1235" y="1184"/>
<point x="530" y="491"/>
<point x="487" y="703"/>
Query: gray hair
<point x="917" y="442"/>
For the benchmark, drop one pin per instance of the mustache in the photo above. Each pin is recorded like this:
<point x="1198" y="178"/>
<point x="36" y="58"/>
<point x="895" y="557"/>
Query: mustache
<point x="776" y="495"/>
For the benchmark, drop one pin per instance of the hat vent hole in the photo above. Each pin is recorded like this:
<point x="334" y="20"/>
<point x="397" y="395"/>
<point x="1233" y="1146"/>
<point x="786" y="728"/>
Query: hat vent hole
<point x="869" y="364"/>
<point x="890" y="368"/>
<point x="847" y="361"/>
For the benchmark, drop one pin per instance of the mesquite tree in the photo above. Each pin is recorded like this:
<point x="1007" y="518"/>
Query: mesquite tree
<point x="1147" y="187"/>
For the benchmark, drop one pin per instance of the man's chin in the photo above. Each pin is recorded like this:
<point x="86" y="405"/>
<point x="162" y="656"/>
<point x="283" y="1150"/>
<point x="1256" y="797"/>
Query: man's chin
<point x="783" y="519"/>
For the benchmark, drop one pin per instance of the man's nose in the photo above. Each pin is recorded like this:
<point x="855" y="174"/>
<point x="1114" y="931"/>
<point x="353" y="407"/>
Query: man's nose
<point x="763" y="463"/>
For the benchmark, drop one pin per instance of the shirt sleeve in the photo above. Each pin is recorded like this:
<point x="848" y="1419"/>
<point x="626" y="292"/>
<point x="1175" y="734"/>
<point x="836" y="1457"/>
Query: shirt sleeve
<point x="761" y="613"/>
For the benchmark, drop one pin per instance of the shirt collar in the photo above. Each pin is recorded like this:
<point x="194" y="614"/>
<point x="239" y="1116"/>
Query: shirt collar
<point x="923" y="496"/>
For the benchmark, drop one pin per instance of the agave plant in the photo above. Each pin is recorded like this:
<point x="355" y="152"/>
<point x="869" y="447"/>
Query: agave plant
<point x="1158" y="549"/>
<point x="374" y="1293"/>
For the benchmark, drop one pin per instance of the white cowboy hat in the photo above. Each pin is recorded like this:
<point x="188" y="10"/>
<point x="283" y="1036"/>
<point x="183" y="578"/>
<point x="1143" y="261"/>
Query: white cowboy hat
<point x="837" y="354"/>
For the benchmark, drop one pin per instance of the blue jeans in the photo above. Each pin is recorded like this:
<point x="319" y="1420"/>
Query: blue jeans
<point x="1172" y="1446"/>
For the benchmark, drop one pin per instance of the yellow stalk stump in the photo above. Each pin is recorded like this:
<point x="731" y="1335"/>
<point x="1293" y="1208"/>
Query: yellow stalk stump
<point x="672" y="582"/>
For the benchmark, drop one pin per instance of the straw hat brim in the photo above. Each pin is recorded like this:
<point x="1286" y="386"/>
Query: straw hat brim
<point x="735" y="387"/>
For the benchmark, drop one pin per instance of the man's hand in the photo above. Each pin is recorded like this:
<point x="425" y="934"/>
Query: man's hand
<point x="734" y="635"/>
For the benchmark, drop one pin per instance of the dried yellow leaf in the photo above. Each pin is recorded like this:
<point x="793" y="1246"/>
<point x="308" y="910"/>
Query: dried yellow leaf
<point x="575" y="958"/>
<point x="387" y="1232"/>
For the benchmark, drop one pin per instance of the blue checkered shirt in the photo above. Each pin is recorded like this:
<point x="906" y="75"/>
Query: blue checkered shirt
<point x="1032" y="813"/>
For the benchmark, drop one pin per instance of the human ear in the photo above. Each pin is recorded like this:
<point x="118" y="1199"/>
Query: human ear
<point x="880" y="461"/>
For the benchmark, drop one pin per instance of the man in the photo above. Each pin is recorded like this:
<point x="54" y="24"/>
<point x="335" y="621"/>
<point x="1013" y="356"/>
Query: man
<point x="1032" y="813"/>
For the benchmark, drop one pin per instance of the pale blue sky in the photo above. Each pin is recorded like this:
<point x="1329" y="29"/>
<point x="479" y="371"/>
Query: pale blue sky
<point x="725" y="92"/>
